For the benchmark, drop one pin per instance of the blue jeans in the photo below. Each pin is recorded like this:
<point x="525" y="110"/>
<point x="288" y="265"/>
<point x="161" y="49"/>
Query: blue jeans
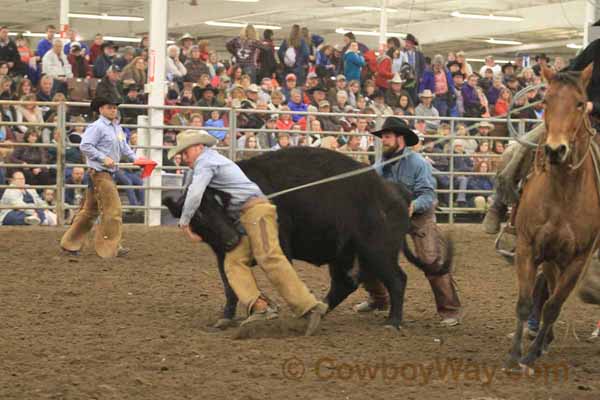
<point x="441" y="104"/>
<point x="135" y="197"/>
<point x="17" y="217"/>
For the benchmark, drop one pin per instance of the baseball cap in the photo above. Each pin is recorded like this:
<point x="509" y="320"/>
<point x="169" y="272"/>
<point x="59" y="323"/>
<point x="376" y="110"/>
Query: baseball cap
<point x="324" y="103"/>
<point x="311" y="75"/>
<point x="340" y="77"/>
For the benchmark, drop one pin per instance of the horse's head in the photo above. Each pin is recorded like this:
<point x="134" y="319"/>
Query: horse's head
<point x="210" y="221"/>
<point x="565" y="111"/>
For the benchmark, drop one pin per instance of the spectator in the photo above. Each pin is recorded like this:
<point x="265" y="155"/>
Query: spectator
<point x="56" y="66"/>
<point x="503" y="103"/>
<point x="10" y="54"/>
<point x="176" y="71"/>
<point x="513" y="84"/>
<point x="296" y="104"/>
<point x="134" y="73"/>
<point x="324" y="66"/>
<point x="493" y="92"/>
<point x="426" y="109"/>
<point x="105" y="60"/>
<point x="480" y="183"/>
<point x="290" y="84"/>
<point x="399" y="58"/>
<point x="353" y="92"/>
<point x="195" y="66"/>
<point x="341" y="102"/>
<point x="283" y="141"/>
<point x="96" y="48"/>
<point x="285" y="120"/>
<point x="18" y="195"/>
<point x="469" y="142"/>
<point x="277" y="100"/>
<point x="353" y="146"/>
<point x="6" y="84"/>
<point x="251" y="143"/>
<point x="415" y="58"/>
<point x="74" y="38"/>
<point x="328" y="122"/>
<point x="25" y="52"/>
<point x="74" y="196"/>
<point x="24" y="88"/>
<point x="79" y="64"/>
<point x="353" y="62"/>
<point x="439" y="81"/>
<point x="45" y="44"/>
<point x="215" y="121"/>
<point x="465" y="67"/>
<point x="33" y="155"/>
<point x="186" y="41"/>
<point x="526" y="78"/>
<point x="27" y="113"/>
<point x="132" y="97"/>
<point x="266" y="88"/>
<point x="384" y="69"/>
<point x="245" y="48"/>
<point x="330" y="143"/>
<point x="394" y="92"/>
<point x="483" y="152"/>
<point x="109" y="87"/>
<point x="127" y="56"/>
<point x="491" y="64"/>
<point x="378" y="105"/>
<point x="470" y="98"/>
<point x="405" y="104"/>
<point x="267" y="65"/>
<point x="462" y="163"/>
<point x="293" y="54"/>
<point x="317" y="94"/>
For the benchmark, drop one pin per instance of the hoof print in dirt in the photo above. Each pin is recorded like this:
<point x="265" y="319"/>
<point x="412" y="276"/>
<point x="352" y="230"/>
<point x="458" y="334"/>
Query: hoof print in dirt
<point x="275" y="328"/>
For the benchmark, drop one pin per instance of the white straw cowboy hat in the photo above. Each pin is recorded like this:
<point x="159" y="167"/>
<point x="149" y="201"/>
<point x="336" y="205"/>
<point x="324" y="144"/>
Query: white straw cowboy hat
<point x="426" y="93"/>
<point x="486" y="124"/>
<point x="192" y="137"/>
<point x="396" y="79"/>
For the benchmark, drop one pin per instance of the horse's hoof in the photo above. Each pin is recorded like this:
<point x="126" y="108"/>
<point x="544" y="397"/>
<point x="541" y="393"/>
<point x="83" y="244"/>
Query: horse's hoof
<point x="225" y="323"/>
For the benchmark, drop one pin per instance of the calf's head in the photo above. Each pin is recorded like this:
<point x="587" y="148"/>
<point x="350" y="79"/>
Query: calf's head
<point x="210" y="220"/>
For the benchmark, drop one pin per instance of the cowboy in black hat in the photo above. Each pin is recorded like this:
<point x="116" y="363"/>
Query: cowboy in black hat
<point x="103" y="144"/>
<point x="431" y="246"/>
<point x="317" y="94"/>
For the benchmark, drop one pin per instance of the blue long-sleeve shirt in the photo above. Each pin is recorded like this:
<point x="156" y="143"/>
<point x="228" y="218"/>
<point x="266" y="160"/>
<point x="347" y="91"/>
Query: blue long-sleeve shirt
<point x="414" y="172"/>
<point x="297" y="107"/>
<point x="43" y="46"/>
<point x="216" y="171"/>
<point x="102" y="139"/>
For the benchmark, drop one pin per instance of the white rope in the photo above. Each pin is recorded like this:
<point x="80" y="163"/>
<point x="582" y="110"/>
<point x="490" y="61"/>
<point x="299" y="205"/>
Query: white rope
<point x="346" y="174"/>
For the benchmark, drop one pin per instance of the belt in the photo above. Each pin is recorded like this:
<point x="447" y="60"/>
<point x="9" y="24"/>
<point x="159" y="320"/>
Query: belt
<point x="254" y="201"/>
<point x="93" y="171"/>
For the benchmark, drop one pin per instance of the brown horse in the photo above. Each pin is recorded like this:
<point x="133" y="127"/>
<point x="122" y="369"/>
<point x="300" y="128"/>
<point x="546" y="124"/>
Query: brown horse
<point x="558" y="222"/>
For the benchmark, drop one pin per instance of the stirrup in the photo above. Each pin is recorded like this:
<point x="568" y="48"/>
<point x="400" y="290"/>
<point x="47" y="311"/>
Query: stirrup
<point x="509" y="255"/>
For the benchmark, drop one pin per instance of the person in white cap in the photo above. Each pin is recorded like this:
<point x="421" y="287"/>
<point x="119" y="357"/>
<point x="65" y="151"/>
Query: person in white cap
<point x="258" y="217"/>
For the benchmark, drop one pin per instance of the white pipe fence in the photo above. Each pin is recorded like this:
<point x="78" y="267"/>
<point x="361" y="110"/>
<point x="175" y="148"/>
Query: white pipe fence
<point x="62" y="145"/>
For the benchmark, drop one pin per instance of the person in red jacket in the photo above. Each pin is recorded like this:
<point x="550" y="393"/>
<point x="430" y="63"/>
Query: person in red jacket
<point x="503" y="103"/>
<point x="96" y="48"/>
<point x="384" y="70"/>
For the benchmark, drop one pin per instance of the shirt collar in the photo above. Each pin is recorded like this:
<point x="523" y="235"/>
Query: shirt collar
<point x="205" y="154"/>
<point x="106" y="120"/>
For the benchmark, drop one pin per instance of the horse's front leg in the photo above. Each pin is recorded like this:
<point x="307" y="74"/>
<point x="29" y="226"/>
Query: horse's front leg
<point x="564" y="286"/>
<point x="526" y="272"/>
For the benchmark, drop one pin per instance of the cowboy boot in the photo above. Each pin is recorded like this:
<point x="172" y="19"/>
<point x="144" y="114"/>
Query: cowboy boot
<point x="446" y="299"/>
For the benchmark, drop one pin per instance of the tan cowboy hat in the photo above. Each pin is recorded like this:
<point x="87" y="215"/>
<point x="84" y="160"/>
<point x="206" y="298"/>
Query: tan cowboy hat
<point x="486" y="124"/>
<point x="426" y="93"/>
<point x="396" y="79"/>
<point x="192" y="137"/>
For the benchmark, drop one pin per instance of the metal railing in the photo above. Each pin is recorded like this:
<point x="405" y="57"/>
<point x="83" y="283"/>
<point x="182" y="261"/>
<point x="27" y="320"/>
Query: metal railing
<point x="232" y="150"/>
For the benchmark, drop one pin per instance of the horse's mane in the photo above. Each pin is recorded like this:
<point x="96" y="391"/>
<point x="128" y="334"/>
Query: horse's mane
<point x="568" y="78"/>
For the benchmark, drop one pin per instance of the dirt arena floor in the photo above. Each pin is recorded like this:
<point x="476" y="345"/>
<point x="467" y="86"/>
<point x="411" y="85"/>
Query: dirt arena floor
<point x="139" y="328"/>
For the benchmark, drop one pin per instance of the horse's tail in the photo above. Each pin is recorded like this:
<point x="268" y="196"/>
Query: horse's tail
<point x="427" y="268"/>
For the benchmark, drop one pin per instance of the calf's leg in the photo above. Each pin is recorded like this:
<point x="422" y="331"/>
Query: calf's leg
<point x="342" y="283"/>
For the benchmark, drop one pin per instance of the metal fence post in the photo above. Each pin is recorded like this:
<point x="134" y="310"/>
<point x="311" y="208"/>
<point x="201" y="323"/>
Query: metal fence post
<point x="60" y="163"/>
<point x="232" y="134"/>
<point x="451" y="186"/>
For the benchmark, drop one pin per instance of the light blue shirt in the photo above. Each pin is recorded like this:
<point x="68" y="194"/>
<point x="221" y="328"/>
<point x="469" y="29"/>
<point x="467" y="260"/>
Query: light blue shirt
<point x="218" y="172"/>
<point x="104" y="139"/>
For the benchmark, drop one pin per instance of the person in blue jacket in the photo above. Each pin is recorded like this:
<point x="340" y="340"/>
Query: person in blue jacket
<point x="439" y="80"/>
<point x="353" y="63"/>
<point x="430" y="245"/>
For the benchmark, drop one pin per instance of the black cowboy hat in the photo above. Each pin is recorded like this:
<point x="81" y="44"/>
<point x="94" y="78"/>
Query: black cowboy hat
<point x="107" y="44"/>
<point x="318" y="88"/>
<point x="208" y="88"/>
<point x="102" y="101"/>
<point x="412" y="38"/>
<point x="399" y="127"/>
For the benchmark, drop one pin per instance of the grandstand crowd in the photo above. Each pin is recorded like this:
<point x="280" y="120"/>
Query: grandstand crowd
<point x="301" y="73"/>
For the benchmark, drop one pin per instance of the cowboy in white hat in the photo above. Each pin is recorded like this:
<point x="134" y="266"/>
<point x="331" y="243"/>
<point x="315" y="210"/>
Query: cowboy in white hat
<point x="426" y="109"/>
<point x="394" y="91"/>
<point x="249" y="205"/>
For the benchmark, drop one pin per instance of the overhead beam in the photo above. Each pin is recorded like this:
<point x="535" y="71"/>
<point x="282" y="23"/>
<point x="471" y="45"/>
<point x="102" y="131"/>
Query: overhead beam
<point x="519" y="48"/>
<point x="569" y="14"/>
